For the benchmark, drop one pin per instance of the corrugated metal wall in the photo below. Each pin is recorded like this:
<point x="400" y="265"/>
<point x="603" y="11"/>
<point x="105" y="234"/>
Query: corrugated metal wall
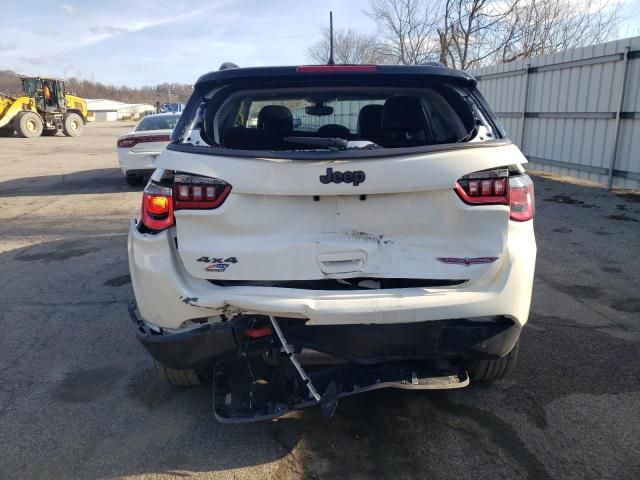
<point x="563" y="110"/>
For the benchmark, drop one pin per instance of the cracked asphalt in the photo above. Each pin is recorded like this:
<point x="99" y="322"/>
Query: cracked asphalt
<point x="79" y="397"/>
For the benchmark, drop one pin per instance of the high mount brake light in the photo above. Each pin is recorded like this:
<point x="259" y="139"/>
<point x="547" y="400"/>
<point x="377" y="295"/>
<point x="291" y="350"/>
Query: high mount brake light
<point x="495" y="187"/>
<point x="129" y="142"/>
<point x="335" y="68"/>
<point x="195" y="192"/>
<point x="157" y="207"/>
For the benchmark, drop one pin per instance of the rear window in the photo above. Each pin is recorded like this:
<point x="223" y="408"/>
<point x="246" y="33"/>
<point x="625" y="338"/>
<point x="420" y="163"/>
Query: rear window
<point x="337" y="118"/>
<point x="158" y="122"/>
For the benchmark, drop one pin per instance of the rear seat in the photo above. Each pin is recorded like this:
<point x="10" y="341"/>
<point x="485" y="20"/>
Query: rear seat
<point x="274" y="123"/>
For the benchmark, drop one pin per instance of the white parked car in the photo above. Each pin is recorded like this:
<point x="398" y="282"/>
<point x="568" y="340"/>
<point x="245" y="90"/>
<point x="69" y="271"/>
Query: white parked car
<point x="391" y="247"/>
<point x="139" y="149"/>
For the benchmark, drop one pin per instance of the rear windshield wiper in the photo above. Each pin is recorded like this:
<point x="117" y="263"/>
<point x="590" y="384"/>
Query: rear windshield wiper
<point x="337" y="143"/>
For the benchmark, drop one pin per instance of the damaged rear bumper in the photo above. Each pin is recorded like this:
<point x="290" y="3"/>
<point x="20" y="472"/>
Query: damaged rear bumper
<point x="202" y="347"/>
<point x="259" y="377"/>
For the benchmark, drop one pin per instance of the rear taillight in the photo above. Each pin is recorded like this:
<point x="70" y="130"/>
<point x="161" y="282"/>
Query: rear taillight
<point x="490" y="187"/>
<point x="129" y="142"/>
<point x="189" y="192"/>
<point x="157" y="207"/>
<point x="522" y="199"/>
<point x="495" y="187"/>
<point x="195" y="192"/>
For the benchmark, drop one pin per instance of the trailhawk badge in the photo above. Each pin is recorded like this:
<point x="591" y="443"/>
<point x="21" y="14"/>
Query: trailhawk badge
<point x="467" y="261"/>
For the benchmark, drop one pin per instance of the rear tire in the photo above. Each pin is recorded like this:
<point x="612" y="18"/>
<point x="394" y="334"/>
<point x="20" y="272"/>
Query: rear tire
<point x="6" y="132"/>
<point x="493" y="368"/>
<point x="28" y="125"/>
<point x="73" y="125"/>
<point x="135" y="180"/>
<point x="179" y="378"/>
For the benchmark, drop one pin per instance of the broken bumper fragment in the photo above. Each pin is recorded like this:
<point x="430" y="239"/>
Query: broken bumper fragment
<point x="256" y="378"/>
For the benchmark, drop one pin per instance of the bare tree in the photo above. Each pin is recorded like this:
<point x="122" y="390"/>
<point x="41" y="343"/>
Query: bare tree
<point x="408" y="29"/>
<point x="349" y="46"/>
<point x="548" y="26"/>
<point x="473" y="31"/>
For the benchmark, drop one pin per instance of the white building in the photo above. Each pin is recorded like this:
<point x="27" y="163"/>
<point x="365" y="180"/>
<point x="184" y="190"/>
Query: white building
<point x="111" y="110"/>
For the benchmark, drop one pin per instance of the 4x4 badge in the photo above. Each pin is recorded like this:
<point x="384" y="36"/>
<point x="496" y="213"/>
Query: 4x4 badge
<point x="356" y="177"/>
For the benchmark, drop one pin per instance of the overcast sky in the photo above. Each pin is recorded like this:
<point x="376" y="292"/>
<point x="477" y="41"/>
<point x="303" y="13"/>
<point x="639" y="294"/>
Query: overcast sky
<point x="145" y="42"/>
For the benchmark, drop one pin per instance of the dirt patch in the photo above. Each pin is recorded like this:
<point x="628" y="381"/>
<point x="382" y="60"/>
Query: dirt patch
<point x="567" y="200"/>
<point x="47" y="257"/>
<point x="562" y="230"/>
<point x="63" y="251"/>
<point x="118" y="281"/>
<point x="622" y="217"/>
<point x="630" y="196"/>
<point x="610" y="269"/>
<point x="631" y="305"/>
<point x="580" y="291"/>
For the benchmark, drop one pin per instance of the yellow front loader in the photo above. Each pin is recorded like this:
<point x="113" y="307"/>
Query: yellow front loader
<point x="44" y="109"/>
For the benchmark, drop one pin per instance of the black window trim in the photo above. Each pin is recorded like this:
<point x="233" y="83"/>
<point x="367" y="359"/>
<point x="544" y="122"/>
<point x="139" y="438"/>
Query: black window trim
<point x="334" y="154"/>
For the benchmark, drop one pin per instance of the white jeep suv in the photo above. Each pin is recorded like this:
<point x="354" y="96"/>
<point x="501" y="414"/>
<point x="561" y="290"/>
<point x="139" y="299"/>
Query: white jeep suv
<point x="373" y="228"/>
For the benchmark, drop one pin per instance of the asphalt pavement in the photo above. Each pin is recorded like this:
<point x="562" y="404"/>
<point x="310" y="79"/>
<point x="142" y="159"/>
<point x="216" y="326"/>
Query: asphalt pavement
<point x="79" y="397"/>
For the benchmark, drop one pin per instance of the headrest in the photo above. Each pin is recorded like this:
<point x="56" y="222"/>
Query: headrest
<point x="333" y="130"/>
<point x="275" y="119"/>
<point x="370" y="121"/>
<point x="403" y="113"/>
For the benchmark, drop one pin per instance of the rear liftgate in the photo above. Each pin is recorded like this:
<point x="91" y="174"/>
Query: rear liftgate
<point x="261" y="383"/>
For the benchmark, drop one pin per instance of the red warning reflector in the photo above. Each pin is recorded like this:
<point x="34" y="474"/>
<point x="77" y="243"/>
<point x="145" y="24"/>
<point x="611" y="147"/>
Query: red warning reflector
<point x="258" y="332"/>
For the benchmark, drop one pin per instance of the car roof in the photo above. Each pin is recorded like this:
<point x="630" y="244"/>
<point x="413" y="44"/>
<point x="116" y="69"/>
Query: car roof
<point x="414" y="72"/>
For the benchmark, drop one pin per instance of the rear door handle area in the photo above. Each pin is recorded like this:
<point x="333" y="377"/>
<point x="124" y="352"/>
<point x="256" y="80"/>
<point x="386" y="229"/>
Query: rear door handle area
<point x="347" y="262"/>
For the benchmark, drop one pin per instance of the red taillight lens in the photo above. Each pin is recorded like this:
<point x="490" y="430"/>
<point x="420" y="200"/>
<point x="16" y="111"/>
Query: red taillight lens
<point x="335" y="68"/>
<point x="195" y="192"/>
<point x="157" y="207"/>
<point x="126" y="142"/>
<point x="495" y="187"/>
<point x="258" y="332"/>
<point x="490" y="187"/>
<point x="129" y="142"/>
<point x="522" y="198"/>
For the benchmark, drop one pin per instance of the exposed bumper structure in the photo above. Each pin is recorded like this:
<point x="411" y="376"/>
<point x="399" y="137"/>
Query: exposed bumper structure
<point x="255" y="379"/>
<point x="202" y="347"/>
<point x="168" y="296"/>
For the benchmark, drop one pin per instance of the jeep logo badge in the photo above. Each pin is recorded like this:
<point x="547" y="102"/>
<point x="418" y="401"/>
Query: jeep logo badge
<point x="356" y="177"/>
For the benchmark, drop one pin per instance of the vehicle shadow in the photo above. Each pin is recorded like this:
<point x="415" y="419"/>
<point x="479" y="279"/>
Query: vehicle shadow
<point x="103" y="180"/>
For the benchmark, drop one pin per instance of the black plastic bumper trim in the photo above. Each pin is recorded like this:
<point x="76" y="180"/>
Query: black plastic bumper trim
<point x="202" y="347"/>
<point x="197" y="348"/>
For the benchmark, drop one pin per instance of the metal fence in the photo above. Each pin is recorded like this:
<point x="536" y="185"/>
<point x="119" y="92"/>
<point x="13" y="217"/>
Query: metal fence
<point x="574" y="113"/>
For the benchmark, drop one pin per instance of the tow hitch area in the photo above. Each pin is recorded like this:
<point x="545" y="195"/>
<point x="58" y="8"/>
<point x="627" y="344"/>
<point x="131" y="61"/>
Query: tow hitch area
<point x="268" y="384"/>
